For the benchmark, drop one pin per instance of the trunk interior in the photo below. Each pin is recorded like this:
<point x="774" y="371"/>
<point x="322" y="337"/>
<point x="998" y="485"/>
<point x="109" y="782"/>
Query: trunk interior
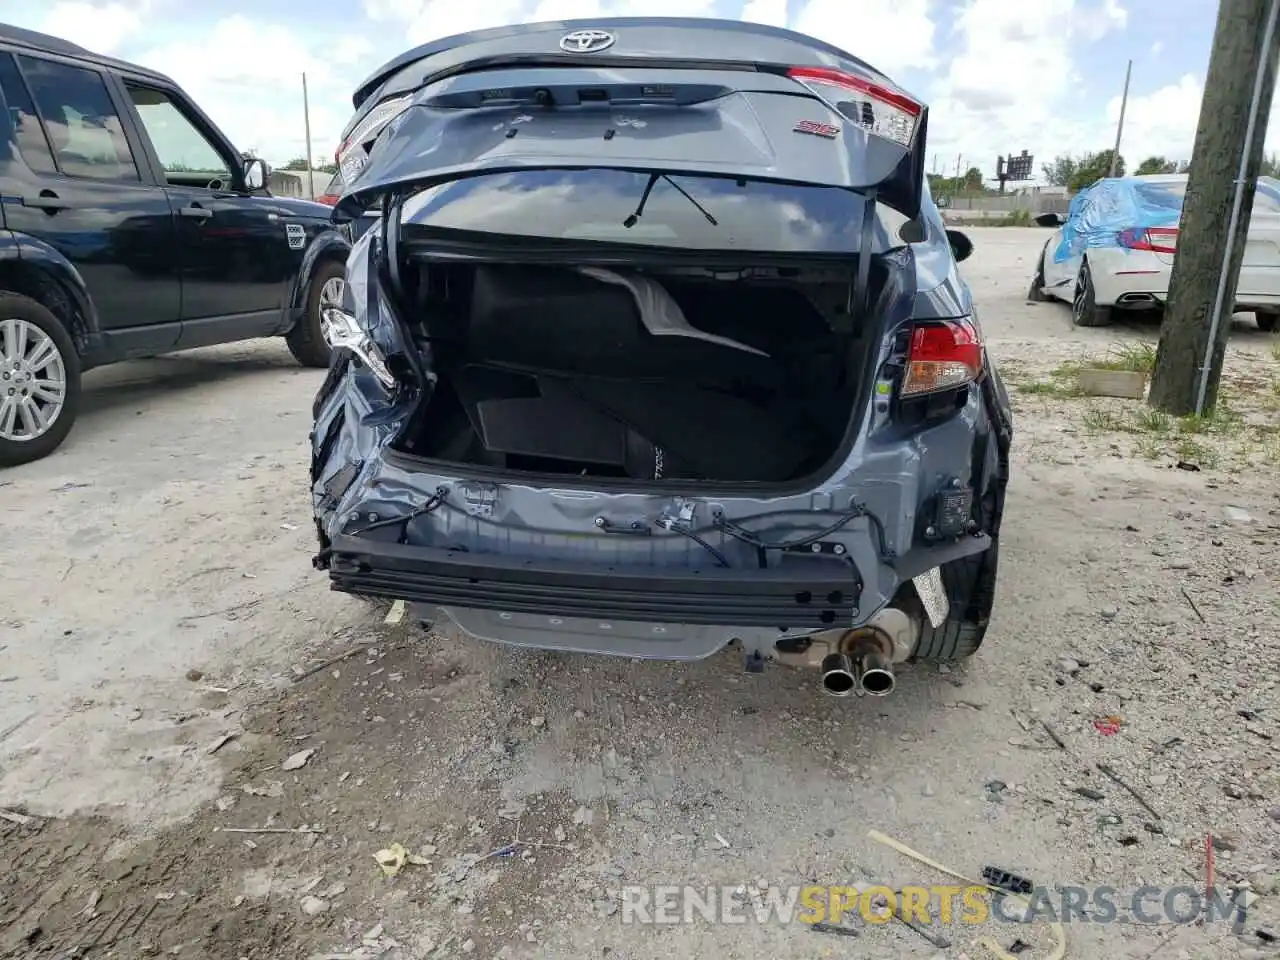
<point x="744" y="375"/>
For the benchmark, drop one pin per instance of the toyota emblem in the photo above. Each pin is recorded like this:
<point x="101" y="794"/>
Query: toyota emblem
<point x="586" y="41"/>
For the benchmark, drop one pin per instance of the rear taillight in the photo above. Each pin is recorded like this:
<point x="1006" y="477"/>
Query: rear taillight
<point x="1153" y="239"/>
<point x="880" y="111"/>
<point x="942" y="356"/>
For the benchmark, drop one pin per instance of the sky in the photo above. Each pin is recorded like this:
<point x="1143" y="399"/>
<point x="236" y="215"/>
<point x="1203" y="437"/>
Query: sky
<point x="998" y="76"/>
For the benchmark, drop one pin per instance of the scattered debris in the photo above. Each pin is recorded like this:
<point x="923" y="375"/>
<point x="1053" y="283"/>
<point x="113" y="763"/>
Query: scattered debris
<point x="393" y="859"/>
<point x="218" y="744"/>
<point x="298" y="760"/>
<point x="1237" y="515"/>
<point x="995" y="790"/>
<point x="1053" y="735"/>
<point x="1108" y="771"/>
<point x="300" y="674"/>
<point x="1194" y="608"/>
<point x="1059" y="933"/>
<point x="396" y="613"/>
<point x="1005" y="880"/>
<point x="1108" y="726"/>
<point x="274" y="788"/>
<point x="834" y="929"/>
<point x="1089" y="793"/>
<point x="267" y="830"/>
<point x="195" y="676"/>
<point x="21" y="819"/>
<point x="722" y="841"/>
<point x="313" y="906"/>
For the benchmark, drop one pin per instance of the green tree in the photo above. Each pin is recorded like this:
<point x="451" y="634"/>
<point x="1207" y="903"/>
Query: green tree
<point x="297" y="163"/>
<point x="1155" y="165"/>
<point x="1076" y="173"/>
<point x="1270" y="166"/>
<point x="1094" y="166"/>
<point x="1060" y="172"/>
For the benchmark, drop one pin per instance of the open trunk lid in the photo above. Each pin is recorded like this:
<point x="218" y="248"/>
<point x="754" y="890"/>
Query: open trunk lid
<point x="838" y="126"/>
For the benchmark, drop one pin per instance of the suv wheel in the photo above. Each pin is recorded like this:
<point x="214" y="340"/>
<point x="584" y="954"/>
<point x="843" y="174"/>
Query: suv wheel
<point x="306" y="340"/>
<point x="1266" y="321"/>
<point x="39" y="381"/>
<point x="1085" y="311"/>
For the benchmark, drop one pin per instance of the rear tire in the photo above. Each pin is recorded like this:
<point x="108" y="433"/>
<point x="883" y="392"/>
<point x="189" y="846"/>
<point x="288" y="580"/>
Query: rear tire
<point x="306" y="339"/>
<point x="970" y="582"/>
<point x="971" y="588"/>
<point x="1085" y="311"/>
<point x="1266" y="321"/>
<point x="36" y="317"/>
<point x="1036" y="292"/>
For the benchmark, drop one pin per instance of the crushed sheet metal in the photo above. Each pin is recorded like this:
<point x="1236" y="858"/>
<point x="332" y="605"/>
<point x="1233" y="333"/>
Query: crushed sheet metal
<point x="933" y="596"/>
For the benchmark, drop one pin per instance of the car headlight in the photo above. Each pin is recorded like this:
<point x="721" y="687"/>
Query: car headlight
<point x="352" y="155"/>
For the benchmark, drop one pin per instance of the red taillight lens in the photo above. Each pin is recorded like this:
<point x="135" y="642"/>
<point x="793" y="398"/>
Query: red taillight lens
<point x="942" y="356"/>
<point x="1153" y="239"/>
<point x="880" y="111"/>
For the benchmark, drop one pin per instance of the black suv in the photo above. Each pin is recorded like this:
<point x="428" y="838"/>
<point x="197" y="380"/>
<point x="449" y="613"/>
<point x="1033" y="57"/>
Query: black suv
<point x="130" y="227"/>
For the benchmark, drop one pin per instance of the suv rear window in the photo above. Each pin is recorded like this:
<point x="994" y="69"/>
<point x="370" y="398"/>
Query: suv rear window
<point x="596" y="204"/>
<point x="334" y="188"/>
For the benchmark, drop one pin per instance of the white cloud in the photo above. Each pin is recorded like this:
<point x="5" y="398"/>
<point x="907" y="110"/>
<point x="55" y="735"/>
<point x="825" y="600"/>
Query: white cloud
<point x="893" y="35"/>
<point x="100" y="27"/>
<point x="255" y="96"/>
<point x="770" y="12"/>
<point x="999" y="76"/>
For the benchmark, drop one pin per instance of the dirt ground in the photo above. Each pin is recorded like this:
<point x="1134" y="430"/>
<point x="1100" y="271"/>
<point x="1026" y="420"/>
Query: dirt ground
<point x="158" y="598"/>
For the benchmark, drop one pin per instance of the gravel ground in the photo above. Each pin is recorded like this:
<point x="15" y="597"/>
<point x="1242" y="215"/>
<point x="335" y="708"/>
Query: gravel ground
<point x="165" y="602"/>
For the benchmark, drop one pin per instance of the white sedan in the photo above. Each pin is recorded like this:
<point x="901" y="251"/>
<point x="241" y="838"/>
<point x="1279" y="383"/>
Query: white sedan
<point x="1107" y="255"/>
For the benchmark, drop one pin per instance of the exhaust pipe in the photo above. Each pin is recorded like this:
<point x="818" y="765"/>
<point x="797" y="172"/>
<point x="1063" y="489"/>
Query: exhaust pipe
<point x="838" y="677"/>
<point x="873" y="672"/>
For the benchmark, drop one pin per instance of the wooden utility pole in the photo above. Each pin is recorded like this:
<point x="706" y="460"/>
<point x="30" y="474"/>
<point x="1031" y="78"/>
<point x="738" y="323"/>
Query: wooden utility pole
<point x="306" y="120"/>
<point x="1124" y="102"/>
<point x="1229" y="138"/>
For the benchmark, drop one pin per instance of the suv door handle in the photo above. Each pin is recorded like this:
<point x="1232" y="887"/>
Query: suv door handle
<point x="196" y="212"/>
<point x="48" y="201"/>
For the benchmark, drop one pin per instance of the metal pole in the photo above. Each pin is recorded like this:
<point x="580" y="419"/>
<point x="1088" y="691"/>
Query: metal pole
<point x="1233" y="226"/>
<point x="1124" y="102"/>
<point x="306" y="119"/>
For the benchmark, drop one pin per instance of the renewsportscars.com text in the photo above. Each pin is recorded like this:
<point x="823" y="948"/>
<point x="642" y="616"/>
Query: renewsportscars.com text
<point x="968" y="905"/>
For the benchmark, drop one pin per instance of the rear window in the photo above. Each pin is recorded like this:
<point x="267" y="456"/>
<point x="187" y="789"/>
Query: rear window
<point x="335" y="186"/>
<point x="596" y="205"/>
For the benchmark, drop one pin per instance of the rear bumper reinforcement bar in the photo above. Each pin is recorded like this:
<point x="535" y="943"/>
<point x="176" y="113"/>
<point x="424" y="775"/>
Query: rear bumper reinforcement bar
<point x="801" y="593"/>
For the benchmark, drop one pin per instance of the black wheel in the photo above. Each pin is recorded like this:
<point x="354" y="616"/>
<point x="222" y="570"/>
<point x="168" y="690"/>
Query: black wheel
<point x="306" y="340"/>
<point x="1085" y="311"/>
<point x="39" y="381"/>
<point x="1036" y="293"/>
<point x="1266" y="321"/>
<point x="970" y="583"/>
<point x="971" y="589"/>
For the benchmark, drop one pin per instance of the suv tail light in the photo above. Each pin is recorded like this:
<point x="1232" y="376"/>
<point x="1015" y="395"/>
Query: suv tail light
<point x="1153" y="239"/>
<point x="942" y="356"/>
<point x="879" y="110"/>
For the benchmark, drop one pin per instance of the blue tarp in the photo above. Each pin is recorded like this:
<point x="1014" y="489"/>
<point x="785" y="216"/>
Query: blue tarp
<point x="1098" y="213"/>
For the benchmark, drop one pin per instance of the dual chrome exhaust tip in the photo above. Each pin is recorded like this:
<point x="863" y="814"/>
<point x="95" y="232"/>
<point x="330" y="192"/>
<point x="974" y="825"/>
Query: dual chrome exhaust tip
<point x="868" y="671"/>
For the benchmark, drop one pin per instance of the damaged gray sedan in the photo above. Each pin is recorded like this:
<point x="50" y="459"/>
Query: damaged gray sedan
<point x="649" y="353"/>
